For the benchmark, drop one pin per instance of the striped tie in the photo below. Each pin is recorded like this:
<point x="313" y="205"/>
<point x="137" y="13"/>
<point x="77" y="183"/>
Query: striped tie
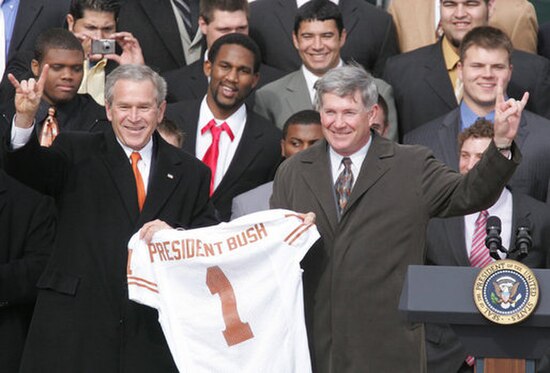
<point x="184" y="9"/>
<point x="479" y="256"/>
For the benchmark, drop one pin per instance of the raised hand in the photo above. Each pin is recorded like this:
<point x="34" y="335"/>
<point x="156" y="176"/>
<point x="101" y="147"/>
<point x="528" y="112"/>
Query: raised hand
<point x="27" y="97"/>
<point x="131" y="50"/>
<point x="507" y="117"/>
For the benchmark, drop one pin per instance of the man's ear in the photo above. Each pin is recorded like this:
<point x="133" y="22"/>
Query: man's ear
<point x="207" y="68"/>
<point x="70" y="22"/>
<point x="35" y="67"/>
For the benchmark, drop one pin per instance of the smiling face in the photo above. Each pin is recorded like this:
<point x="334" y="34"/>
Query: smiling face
<point x="134" y="112"/>
<point x="318" y="44"/>
<point x="64" y="76"/>
<point x="480" y="72"/>
<point x="460" y="16"/>
<point x="346" y="122"/>
<point x="232" y="77"/>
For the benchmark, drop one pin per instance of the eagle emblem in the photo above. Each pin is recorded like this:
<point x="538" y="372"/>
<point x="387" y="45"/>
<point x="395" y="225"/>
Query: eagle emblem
<point x="505" y="292"/>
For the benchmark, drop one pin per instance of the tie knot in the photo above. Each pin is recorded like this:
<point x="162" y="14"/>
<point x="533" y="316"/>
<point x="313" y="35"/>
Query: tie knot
<point x="346" y="161"/>
<point x="217" y="130"/>
<point x="482" y="217"/>
<point x="135" y="157"/>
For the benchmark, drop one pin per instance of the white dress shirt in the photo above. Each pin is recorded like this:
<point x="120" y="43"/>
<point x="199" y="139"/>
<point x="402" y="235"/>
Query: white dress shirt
<point x="503" y="209"/>
<point x="311" y="79"/>
<point x="144" y="164"/>
<point x="227" y="148"/>
<point x="357" y="159"/>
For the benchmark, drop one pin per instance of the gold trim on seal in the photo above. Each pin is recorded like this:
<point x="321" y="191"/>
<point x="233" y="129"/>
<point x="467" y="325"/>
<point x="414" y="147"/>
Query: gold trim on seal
<point x="517" y="306"/>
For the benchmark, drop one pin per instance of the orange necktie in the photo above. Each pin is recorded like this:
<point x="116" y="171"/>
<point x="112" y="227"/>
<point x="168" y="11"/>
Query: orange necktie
<point x="135" y="158"/>
<point x="50" y="129"/>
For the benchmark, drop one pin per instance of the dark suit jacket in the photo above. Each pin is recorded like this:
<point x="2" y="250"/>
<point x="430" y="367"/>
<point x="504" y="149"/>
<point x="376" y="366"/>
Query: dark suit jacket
<point x="446" y="246"/>
<point x="353" y="277"/>
<point x="83" y="320"/>
<point x="423" y="91"/>
<point x="26" y="238"/>
<point x="371" y="34"/>
<point x="33" y="17"/>
<point x="153" y="23"/>
<point x="255" y="160"/>
<point x="543" y="47"/>
<point x="532" y="176"/>
<point x="190" y="83"/>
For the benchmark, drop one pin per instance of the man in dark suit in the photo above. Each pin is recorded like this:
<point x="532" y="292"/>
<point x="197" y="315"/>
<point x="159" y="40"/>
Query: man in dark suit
<point x="32" y="17"/>
<point x="373" y="199"/>
<point x="27" y="226"/>
<point x="166" y="42"/>
<point x="107" y="185"/>
<point x="217" y="18"/>
<point x="371" y="34"/>
<point x="449" y="242"/>
<point x="485" y="61"/>
<point x="249" y="148"/>
<point x="425" y="80"/>
<point x="62" y="51"/>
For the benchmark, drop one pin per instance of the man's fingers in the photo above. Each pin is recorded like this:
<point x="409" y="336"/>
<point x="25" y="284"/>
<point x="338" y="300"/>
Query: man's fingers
<point x="43" y="76"/>
<point x="500" y="93"/>
<point x="14" y="82"/>
<point x="524" y="100"/>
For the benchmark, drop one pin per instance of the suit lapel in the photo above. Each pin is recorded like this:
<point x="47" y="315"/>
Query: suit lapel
<point x="454" y="229"/>
<point x="246" y="152"/>
<point x="448" y="137"/>
<point x="317" y="175"/>
<point x="26" y="16"/>
<point x="165" y="176"/>
<point x="297" y="96"/>
<point x="284" y="11"/>
<point x="163" y="20"/>
<point x="372" y="169"/>
<point x="437" y="78"/>
<point x="349" y="14"/>
<point x="118" y="166"/>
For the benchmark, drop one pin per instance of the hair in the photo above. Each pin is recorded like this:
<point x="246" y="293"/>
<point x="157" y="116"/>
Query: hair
<point x="207" y="7"/>
<point x="79" y="6"/>
<point x="302" y="118"/>
<point x="238" y="39"/>
<point x="170" y="128"/>
<point x="345" y="81"/>
<point x="384" y="107"/>
<point x="55" y="38"/>
<point x="318" y="10"/>
<point x="136" y="73"/>
<point x="486" y="37"/>
<point x="482" y="128"/>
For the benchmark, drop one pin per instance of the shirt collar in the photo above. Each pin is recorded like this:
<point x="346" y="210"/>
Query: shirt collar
<point x="236" y="121"/>
<point x="450" y="55"/>
<point x="146" y="152"/>
<point x="311" y="79"/>
<point x="468" y="117"/>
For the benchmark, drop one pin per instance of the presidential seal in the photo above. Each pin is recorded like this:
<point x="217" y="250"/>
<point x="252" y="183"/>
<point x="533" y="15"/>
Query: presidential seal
<point x="506" y="292"/>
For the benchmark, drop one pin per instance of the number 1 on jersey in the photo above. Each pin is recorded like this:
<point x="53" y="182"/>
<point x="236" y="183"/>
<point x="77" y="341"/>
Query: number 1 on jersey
<point x="235" y="331"/>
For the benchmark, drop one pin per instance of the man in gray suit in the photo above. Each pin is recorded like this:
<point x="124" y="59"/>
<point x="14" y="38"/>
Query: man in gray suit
<point x="485" y="56"/>
<point x="373" y="198"/>
<point x="319" y="36"/>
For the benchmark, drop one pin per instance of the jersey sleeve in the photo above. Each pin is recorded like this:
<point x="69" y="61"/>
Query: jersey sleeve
<point x="142" y="280"/>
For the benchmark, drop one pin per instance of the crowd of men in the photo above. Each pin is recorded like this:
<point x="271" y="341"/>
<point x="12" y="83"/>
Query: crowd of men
<point x="401" y="129"/>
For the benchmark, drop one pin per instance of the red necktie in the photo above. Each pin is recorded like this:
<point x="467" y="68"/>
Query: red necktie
<point x="211" y="156"/>
<point x="50" y="129"/>
<point x="135" y="157"/>
<point x="479" y="255"/>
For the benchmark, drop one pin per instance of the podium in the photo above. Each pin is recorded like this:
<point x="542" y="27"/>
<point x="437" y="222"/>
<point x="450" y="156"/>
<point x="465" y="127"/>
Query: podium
<point x="441" y="294"/>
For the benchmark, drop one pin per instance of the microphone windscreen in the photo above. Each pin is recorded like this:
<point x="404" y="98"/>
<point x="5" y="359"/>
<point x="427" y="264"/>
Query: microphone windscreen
<point x="493" y="222"/>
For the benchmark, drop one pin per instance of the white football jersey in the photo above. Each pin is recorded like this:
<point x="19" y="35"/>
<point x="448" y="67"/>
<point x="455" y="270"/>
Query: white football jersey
<point x="229" y="297"/>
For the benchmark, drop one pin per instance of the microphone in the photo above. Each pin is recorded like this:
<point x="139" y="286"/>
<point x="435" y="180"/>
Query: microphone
<point x="493" y="240"/>
<point x="524" y="242"/>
